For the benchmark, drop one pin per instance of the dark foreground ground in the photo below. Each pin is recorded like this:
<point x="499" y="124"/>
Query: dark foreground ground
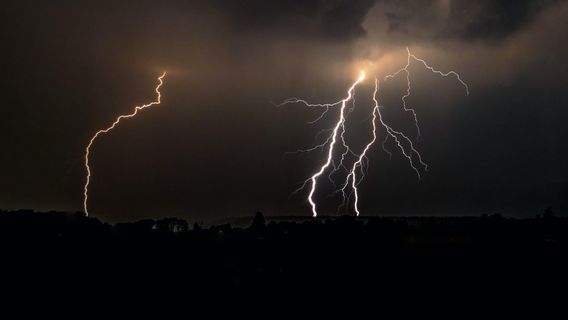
<point x="487" y="258"/>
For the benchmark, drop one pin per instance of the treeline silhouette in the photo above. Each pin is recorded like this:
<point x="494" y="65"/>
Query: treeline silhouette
<point x="320" y="255"/>
<point x="61" y="228"/>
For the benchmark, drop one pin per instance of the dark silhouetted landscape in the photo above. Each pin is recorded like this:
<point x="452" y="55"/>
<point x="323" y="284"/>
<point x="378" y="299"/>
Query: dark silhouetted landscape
<point x="488" y="255"/>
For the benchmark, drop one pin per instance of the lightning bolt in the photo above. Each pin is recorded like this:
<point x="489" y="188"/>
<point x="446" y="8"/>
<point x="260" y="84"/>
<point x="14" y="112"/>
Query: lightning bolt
<point x="356" y="173"/>
<point x="112" y="126"/>
<point x="398" y="137"/>
<point x="336" y="134"/>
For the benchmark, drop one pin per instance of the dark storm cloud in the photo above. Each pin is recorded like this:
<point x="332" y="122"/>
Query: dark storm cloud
<point x="483" y="20"/>
<point x="334" y="20"/>
<point x="491" y="19"/>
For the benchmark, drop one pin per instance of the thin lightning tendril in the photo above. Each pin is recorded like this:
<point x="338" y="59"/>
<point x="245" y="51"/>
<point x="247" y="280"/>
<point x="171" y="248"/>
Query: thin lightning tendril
<point x="356" y="173"/>
<point x="112" y="126"/>
<point x="405" y="69"/>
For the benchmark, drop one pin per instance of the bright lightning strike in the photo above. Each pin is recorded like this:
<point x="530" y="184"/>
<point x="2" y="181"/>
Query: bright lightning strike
<point x="356" y="173"/>
<point x="338" y="131"/>
<point x="112" y="126"/>
<point x="396" y="135"/>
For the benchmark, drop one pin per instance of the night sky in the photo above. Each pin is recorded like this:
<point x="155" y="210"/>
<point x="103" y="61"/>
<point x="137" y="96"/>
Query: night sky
<point x="216" y="145"/>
